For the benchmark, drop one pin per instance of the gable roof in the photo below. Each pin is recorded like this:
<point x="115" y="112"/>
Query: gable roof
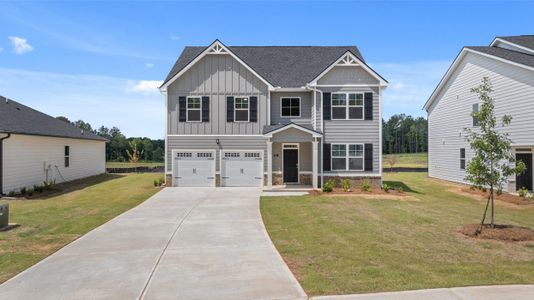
<point x="269" y="130"/>
<point x="493" y="51"/>
<point x="281" y="66"/>
<point x="17" y="118"/>
<point x="526" y="41"/>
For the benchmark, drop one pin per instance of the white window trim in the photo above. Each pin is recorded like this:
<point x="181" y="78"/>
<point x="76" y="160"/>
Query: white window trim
<point x="187" y="109"/>
<point x="347" y="157"/>
<point x="300" y="107"/>
<point x="248" y="109"/>
<point x="347" y="106"/>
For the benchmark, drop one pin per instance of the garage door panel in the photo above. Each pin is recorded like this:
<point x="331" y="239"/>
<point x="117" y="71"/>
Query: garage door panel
<point x="194" y="168"/>
<point x="241" y="168"/>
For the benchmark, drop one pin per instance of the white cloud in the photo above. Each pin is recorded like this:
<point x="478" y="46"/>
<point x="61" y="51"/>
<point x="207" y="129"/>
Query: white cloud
<point x="20" y="45"/>
<point x="175" y="37"/>
<point x="410" y="85"/>
<point x="145" y="87"/>
<point x="149" y="65"/>
<point x="1" y="49"/>
<point x="99" y="100"/>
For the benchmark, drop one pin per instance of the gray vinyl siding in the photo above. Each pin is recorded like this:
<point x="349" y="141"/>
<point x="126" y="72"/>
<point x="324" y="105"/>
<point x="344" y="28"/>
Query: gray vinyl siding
<point x="450" y="113"/>
<point x="306" y="102"/>
<point x="305" y="157"/>
<point x="357" y="131"/>
<point x="217" y="76"/>
<point x="343" y="75"/>
<point x="209" y="143"/>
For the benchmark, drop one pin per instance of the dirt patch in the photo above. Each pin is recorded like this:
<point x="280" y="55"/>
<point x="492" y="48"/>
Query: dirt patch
<point x="507" y="233"/>
<point x="392" y="194"/>
<point x="514" y="199"/>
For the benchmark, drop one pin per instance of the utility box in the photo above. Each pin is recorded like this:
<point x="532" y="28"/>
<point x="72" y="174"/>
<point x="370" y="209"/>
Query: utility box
<point x="4" y="215"/>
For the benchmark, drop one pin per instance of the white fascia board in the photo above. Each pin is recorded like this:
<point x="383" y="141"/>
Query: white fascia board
<point x="313" y="133"/>
<point x="360" y="63"/>
<point x="455" y="64"/>
<point x="499" y="40"/>
<point x="206" y="52"/>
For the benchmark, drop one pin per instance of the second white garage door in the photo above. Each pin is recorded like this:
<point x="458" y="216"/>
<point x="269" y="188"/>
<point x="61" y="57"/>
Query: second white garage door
<point x="241" y="168"/>
<point x="193" y="168"/>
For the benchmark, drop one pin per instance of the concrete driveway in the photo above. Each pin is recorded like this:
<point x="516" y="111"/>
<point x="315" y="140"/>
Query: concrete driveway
<point x="183" y="243"/>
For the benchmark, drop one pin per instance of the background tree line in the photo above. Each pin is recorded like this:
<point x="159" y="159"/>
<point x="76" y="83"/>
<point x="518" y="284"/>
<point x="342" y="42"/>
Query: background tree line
<point x="119" y="145"/>
<point x="404" y="134"/>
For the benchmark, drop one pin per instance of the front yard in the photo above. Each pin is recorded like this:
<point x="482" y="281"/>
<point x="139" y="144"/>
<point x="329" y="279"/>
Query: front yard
<point x="50" y="223"/>
<point x="351" y="244"/>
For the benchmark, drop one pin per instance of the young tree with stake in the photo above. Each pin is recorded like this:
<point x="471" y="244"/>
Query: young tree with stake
<point x="493" y="160"/>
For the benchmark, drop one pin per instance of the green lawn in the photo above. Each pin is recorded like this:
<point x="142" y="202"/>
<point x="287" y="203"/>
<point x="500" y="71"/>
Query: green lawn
<point x="48" y="224"/>
<point x="343" y="245"/>
<point x="114" y="164"/>
<point x="406" y="160"/>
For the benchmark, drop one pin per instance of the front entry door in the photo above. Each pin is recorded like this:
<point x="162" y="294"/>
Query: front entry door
<point x="291" y="168"/>
<point x="525" y="179"/>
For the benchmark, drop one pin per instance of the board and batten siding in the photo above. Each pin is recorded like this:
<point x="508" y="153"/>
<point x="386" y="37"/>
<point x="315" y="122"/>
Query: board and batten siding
<point x="357" y="131"/>
<point x="210" y="143"/>
<point x="217" y="76"/>
<point x="451" y="111"/>
<point x="342" y="75"/>
<point x="306" y="103"/>
<point x="25" y="157"/>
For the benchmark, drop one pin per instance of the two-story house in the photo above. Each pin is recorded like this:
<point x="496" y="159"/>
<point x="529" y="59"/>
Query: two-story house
<point x="271" y="115"/>
<point x="509" y="63"/>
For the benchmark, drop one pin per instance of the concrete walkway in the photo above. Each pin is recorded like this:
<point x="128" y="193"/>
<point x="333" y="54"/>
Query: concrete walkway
<point x="491" y="292"/>
<point x="183" y="243"/>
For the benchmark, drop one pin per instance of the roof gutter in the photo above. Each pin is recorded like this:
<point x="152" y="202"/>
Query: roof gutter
<point x="2" y="162"/>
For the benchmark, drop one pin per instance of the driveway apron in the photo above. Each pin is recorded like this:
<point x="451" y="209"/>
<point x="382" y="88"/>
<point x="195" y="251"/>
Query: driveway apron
<point x="182" y="243"/>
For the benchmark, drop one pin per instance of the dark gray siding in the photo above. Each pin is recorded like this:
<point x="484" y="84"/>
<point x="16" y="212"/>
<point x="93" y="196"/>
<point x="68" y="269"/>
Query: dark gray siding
<point x="306" y="102"/>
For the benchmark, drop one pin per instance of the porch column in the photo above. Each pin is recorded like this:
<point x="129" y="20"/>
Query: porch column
<point x="269" y="164"/>
<point x="315" y="162"/>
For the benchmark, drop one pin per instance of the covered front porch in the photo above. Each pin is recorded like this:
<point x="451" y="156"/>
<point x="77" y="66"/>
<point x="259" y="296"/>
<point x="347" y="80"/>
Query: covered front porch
<point x="292" y="156"/>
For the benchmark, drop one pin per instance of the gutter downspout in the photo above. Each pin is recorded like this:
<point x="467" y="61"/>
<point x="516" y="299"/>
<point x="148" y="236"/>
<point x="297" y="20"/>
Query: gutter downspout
<point x="2" y="162"/>
<point x="314" y="89"/>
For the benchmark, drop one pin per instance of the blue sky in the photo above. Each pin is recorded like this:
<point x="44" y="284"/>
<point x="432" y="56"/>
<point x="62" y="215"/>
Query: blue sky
<point x="100" y="61"/>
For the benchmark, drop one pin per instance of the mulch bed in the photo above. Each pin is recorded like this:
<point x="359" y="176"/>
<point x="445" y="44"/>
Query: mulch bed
<point x="507" y="233"/>
<point x="506" y="197"/>
<point x="374" y="191"/>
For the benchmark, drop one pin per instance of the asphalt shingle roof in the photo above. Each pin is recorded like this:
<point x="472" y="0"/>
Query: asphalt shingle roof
<point x="20" y="119"/>
<point x="281" y="66"/>
<point x="513" y="56"/>
<point x="521" y="40"/>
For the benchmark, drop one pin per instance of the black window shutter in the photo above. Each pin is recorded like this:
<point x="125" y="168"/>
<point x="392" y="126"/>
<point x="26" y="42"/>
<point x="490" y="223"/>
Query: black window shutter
<point x="327" y="106"/>
<point x="229" y="109"/>
<point x="326" y="157"/>
<point x="368" y="103"/>
<point x="368" y="157"/>
<point x="253" y="109"/>
<point x="205" y="109"/>
<point x="182" y="108"/>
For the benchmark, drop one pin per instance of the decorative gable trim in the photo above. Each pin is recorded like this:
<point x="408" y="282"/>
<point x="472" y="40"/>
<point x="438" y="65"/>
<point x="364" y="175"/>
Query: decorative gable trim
<point x="216" y="48"/>
<point x="349" y="59"/>
<point x="293" y="125"/>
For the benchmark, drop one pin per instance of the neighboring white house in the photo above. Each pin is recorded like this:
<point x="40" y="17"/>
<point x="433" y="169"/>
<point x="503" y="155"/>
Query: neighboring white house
<point x="35" y="148"/>
<point x="509" y="63"/>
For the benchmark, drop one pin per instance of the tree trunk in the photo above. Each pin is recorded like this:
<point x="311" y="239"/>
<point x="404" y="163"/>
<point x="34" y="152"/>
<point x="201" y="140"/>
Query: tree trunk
<point x="484" y="216"/>
<point x="492" y="209"/>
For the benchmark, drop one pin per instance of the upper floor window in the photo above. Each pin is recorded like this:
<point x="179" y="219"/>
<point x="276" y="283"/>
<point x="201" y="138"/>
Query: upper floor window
<point x="475" y="110"/>
<point x="345" y="110"/>
<point x="353" y="159"/>
<point x="67" y="156"/>
<point x="241" y="109"/>
<point x="290" y="107"/>
<point x="194" y="109"/>
<point x="462" y="158"/>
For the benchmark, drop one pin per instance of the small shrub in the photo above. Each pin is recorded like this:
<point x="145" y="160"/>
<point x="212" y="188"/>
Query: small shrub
<point x="386" y="187"/>
<point x="156" y="182"/>
<point x="23" y="191"/>
<point x="47" y="186"/>
<point x="11" y="194"/>
<point x="365" y="185"/>
<point x="161" y="181"/>
<point x="345" y="185"/>
<point x="530" y="197"/>
<point x="29" y="192"/>
<point x="38" y="188"/>
<point x="499" y="191"/>
<point x="400" y="189"/>
<point x="523" y="192"/>
<point x="329" y="186"/>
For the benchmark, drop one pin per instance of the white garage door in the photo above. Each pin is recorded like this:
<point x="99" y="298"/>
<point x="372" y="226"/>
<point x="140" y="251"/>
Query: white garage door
<point x="193" y="168"/>
<point x="241" y="168"/>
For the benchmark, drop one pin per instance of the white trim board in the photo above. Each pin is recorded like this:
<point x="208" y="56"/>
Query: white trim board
<point x="499" y="40"/>
<point x="313" y="133"/>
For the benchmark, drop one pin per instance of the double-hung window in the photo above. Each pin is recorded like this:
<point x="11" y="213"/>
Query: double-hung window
<point x="194" y="109"/>
<point x="347" y="157"/>
<point x="67" y="156"/>
<point x="241" y="109"/>
<point x="290" y="107"/>
<point x="462" y="158"/>
<point x="347" y="106"/>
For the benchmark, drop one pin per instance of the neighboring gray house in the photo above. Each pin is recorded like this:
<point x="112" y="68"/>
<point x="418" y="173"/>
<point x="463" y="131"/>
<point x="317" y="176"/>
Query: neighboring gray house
<point x="271" y="115"/>
<point x="509" y="63"/>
